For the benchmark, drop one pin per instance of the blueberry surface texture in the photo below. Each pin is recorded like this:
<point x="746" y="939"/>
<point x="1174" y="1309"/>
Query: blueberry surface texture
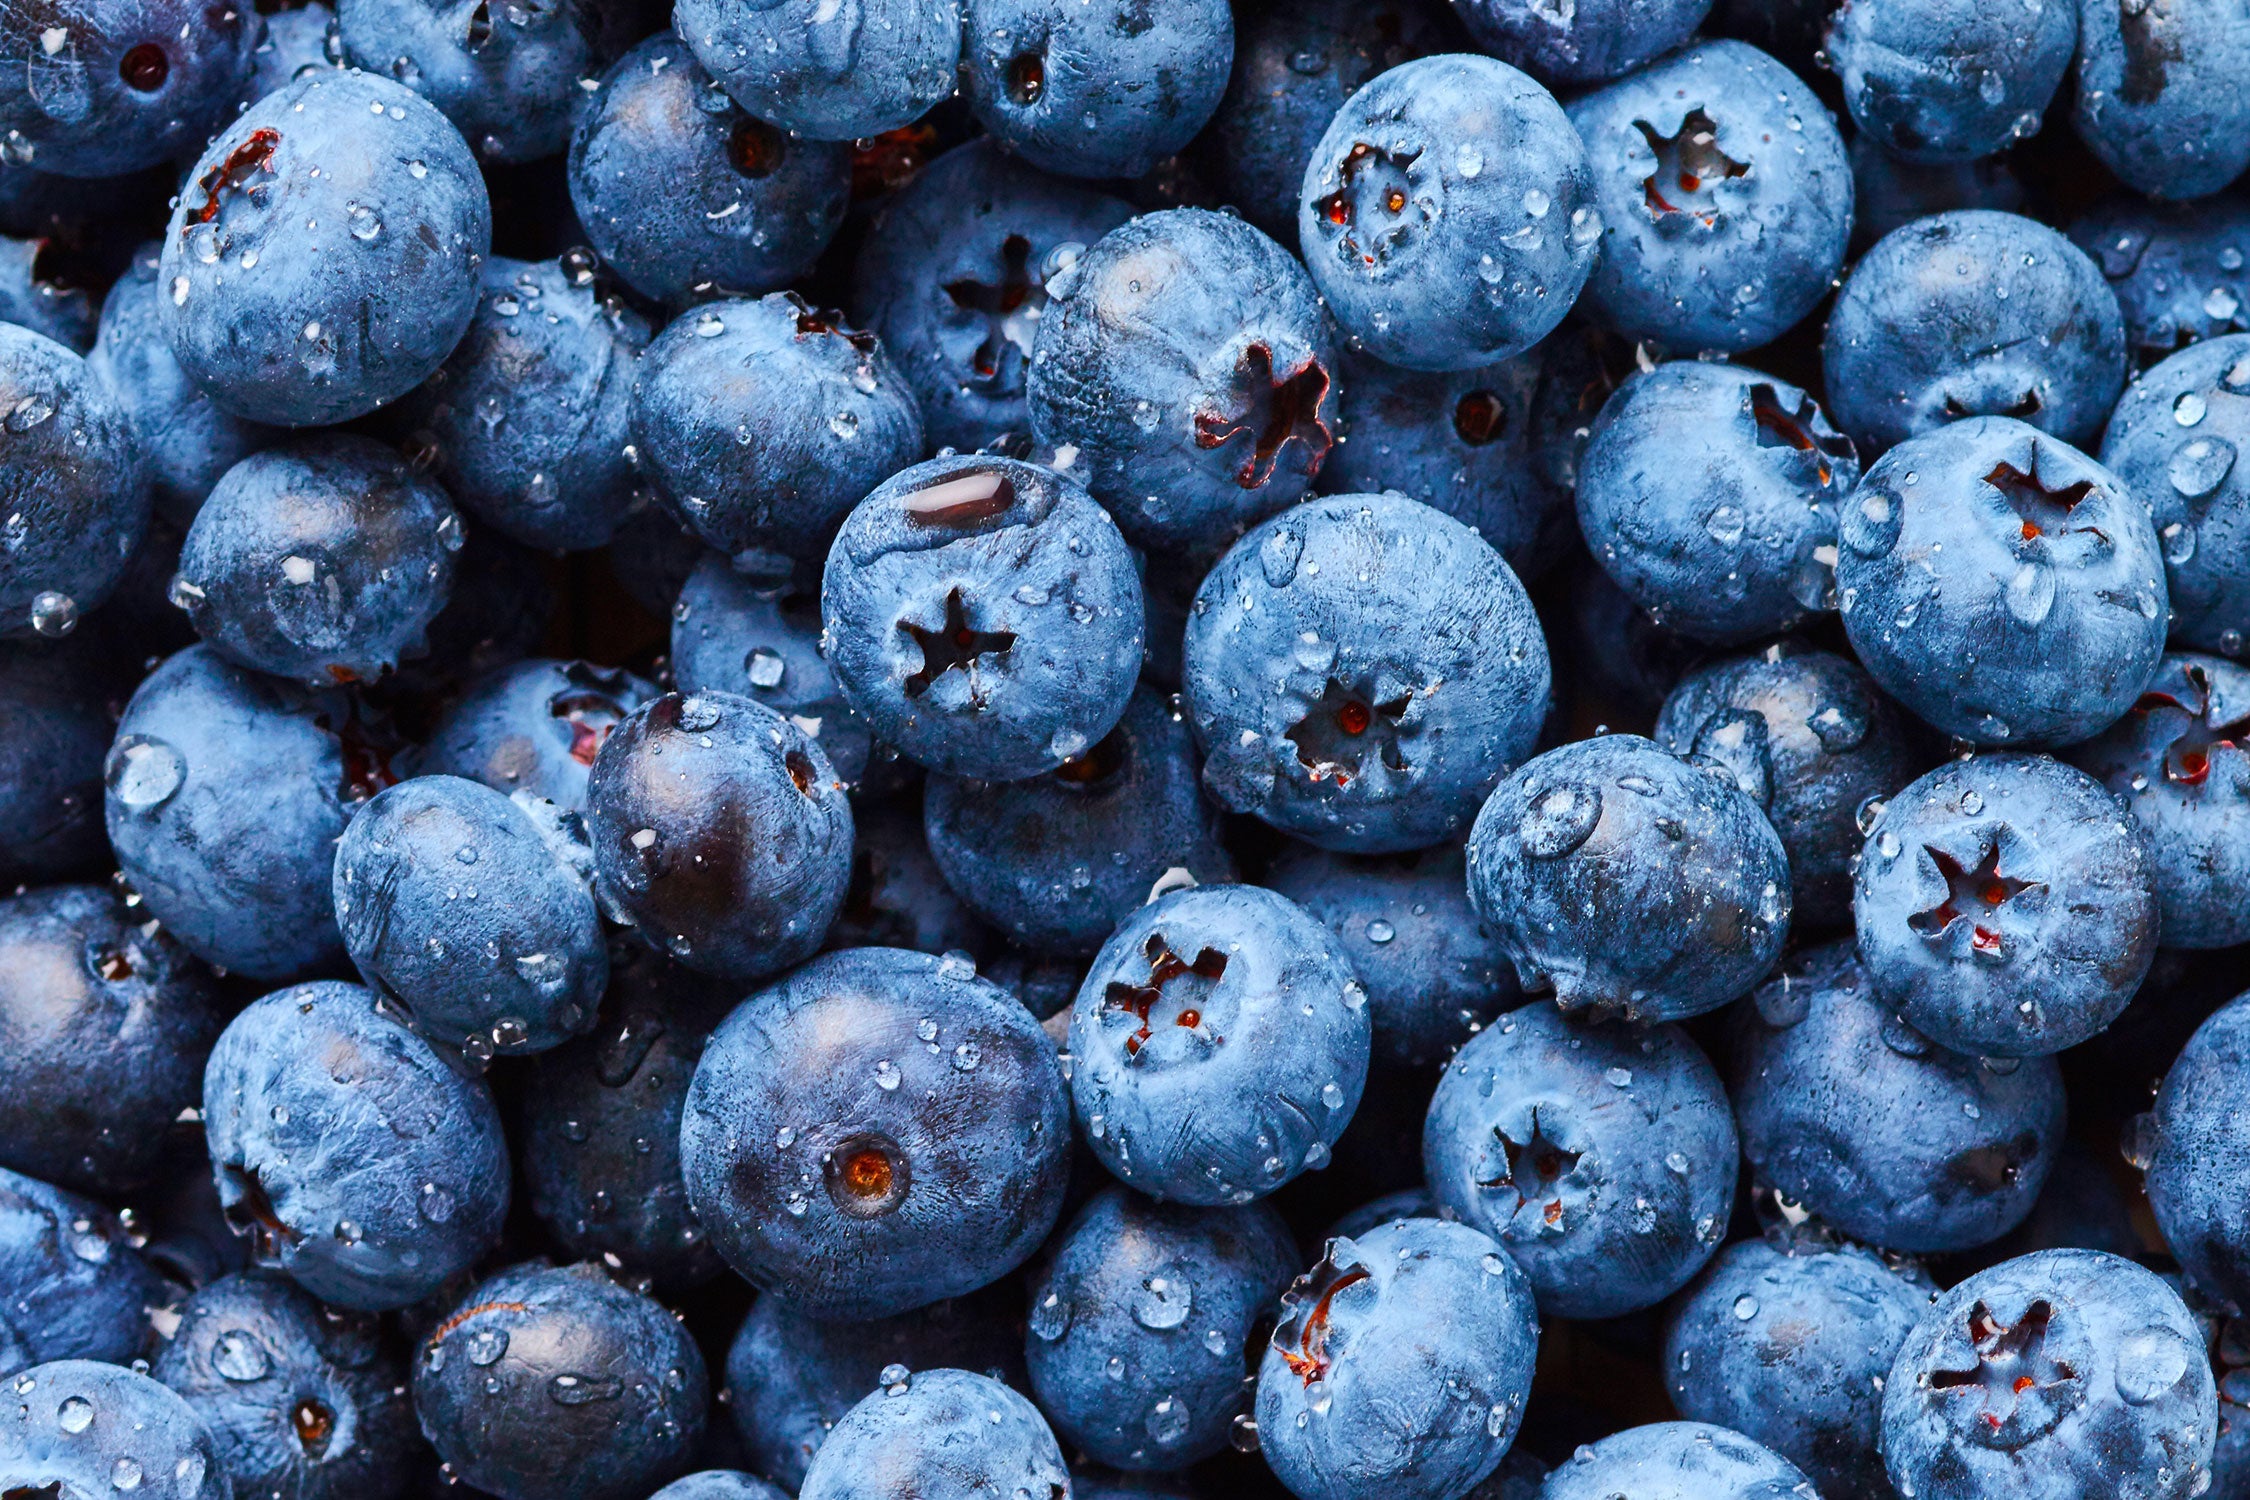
<point x="2176" y="267"/>
<point x="1942" y="80"/>
<point x="937" y="1435"/>
<point x="830" y="74"/>
<point x="76" y="1288"/>
<point x="508" y="79"/>
<point x="81" y="1425"/>
<point x="1582" y="43"/>
<point x="99" y="88"/>
<point x="2156" y="101"/>
<point x="1676" y="1461"/>
<point x="2195" y="1160"/>
<point x="535" y="726"/>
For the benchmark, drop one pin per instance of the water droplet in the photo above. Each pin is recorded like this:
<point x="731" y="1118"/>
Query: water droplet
<point x="2188" y="409"/>
<point x="486" y="1345"/>
<point x="1559" y="820"/>
<point x="1215" y="1341"/>
<point x="1050" y="1317"/>
<point x="1904" y="1039"/>
<point x="435" y="1203"/>
<point x="125" y="1474"/>
<point x="886" y="1075"/>
<point x="966" y="1057"/>
<point x="76" y="1414"/>
<point x="1620" y="1077"/>
<point x="1162" y="1302"/>
<point x="364" y="225"/>
<point x="1332" y="1095"/>
<point x="2200" y="465"/>
<point x="895" y="1379"/>
<point x="2150" y="1362"/>
<point x="845" y="424"/>
<point x="582" y="1390"/>
<point x="1167" y="1420"/>
<point x="237" y="1355"/>
<point x="710" y="326"/>
<point x="1380" y="931"/>
<point x="28" y="413"/>
<point x="1278" y="556"/>
<point x="53" y="614"/>
<point x="1066" y="743"/>
<point x="2139" y="1140"/>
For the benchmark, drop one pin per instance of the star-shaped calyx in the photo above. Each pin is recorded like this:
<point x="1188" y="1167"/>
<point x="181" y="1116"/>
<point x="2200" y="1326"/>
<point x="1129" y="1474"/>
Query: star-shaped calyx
<point x="1273" y="409"/>
<point x="1010" y="304"/>
<point x="1174" y="994"/>
<point x="2044" y="511"/>
<point x="2012" y="1362"/>
<point x="1689" y="164"/>
<point x="1534" y="1169"/>
<point x="955" y="646"/>
<point x="1375" y="203"/>
<point x="1343" y="728"/>
<point x="2187" y="760"/>
<point x="1301" y="1338"/>
<point x="1779" y="427"/>
<point x="1973" y="896"/>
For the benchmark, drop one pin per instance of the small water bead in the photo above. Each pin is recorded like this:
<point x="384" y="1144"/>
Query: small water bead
<point x="1215" y="1341"/>
<point x="76" y="1414"/>
<point x="2221" y="304"/>
<point x="966" y="1057"/>
<point x="2188" y="409"/>
<point x="53" y="614"/>
<point x="1332" y="1095"/>
<point x="238" y="1356"/>
<point x="1380" y="931"/>
<point x="486" y="1346"/>
<point x="2200" y="465"/>
<point x="926" y="1029"/>
<point x="1620" y="1077"/>
<point x="1745" y="1307"/>
<point x="1162" y="1302"/>
<point x="895" y="1379"/>
<point x="125" y="1474"/>
<point x="886" y="1075"/>
<point x="584" y="1390"/>
<point x="1167" y="1420"/>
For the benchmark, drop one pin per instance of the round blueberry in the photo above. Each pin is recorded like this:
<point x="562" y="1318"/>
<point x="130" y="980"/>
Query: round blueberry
<point x="84" y="1428"/>
<point x="101" y="88"/>
<point x="1581" y="41"/>
<point x="54" y="732"/>
<point x="295" y="41"/>
<point x="834" y="73"/>
<point x="2193" y="1153"/>
<point x="1949" y="80"/>
<point x="75" y="1286"/>
<point x="719" y="1484"/>
<point x="1676" y="1461"/>
<point x="937" y="1435"/>
<point x="507" y="76"/>
<point x="536" y="727"/>
<point x="2159" y="96"/>
<point x="2177" y="268"/>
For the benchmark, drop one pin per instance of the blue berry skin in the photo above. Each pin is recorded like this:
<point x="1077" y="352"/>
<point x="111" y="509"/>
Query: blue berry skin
<point x="721" y="832"/>
<point x="1725" y="195"/>
<point x="322" y="560"/>
<point x="470" y="912"/>
<point x="1790" y="1347"/>
<point x="300" y="1400"/>
<point x="1810" y="740"/>
<point x="2058" y="1374"/>
<point x="826" y="74"/>
<point x="2173" y="441"/>
<point x="2001" y="585"/>
<point x="764" y="422"/>
<point x="1602" y="1159"/>
<point x="740" y="633"/>
<point x="1408" y="1352"/>
<point x="37" y="295"/>
<point x="54" y="732"/>
<point x="1890" y="194"/>
<point x="1434" y="976"/>
<point x="130" y="84"/>
<point x="1188" y="361"/>
<point x="2197" y="1165"/>
<point x="2178" y="761"/>
<point x="879" y="1130"/>
<point x="227" y="792"/>
<point x="528" y="419"/>
<point x="187" y="440"/>
<point x="1949" y="80"/>
<point x="2159" y="101"/>
<point x="1676" y="1461"/>
<point x="984" y="616"/>
<point x="791" y="1378"/>
<point x="295" y="41"/>
<point x="897" y="897"/>
<point x="2007" y="905"/>
<point x="1320" y="717"/>
<point x="349" y="313"/>
<point x="103" y="1032"/>
<point x="74" y="486"/>
<point x="1221" y="1044"/>
<point x="1139" y="1320"/>
<point x="1091" y="91"/>
<point x="550" y="1380"/>
<point x="953" y="278"/>
<point x="1447" y="214"/>
<point x="938" y="1435"/>
<point x="81" y="1425"/>
<point x="71" y="1284"/>
<point x="719" y="1484"/>
<point x="508" y="80"/>
<point x="598" y="1137"/>
<point x="535" y="726"/>
<point x="1921" y="334"/>
<point x="2177" y="268"/>
<point x="1709" y="492"/>
<point x="679" y="189"/>
<point x="1058" y="861"/>
<point x="1849" y="1112"/>
<point x="1629" y="881"/>
<point x="348" y="1151"/>
<point x="1589" y="42"/>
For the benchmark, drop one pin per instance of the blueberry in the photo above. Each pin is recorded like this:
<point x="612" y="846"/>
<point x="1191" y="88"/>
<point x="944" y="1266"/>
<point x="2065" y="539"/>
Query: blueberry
<point x="370" y="266"/>
<point x="792" y="1378"/>
<point x="495" y="615"/>
<point x="879" y="1130"/>
<point x="535" y="727"/>
<point x="1322" y="718"/>
<point x="1889" y="194"/>
<point x="719" y="1484"/>
<point x="71" y="1284"/>
<point x="2158" y="101"/>
<point x="40" y="290"/>
<point x="2195" y="1160"/>
<point x="953" y="277"/>
<point x="2177" y="268"/>
<point x="1447" y="213"/>
<point x="78" y="493"/>
<point x="938" y="1435"/>
<point x="1408" y="1351"/>
<point x="1949" y="80"/>
<point x="506" y="76"/>
<point x="84" y="1428"/>
<point x="1710" y="492"/>
<point x="984" y="616"/>
<point x="108" y="1025"/>
<point x="545" y="1381"/>
<point x="2173" y="441"/>
<point x="2007" y="905"/>
<point x="1221" y="1044"/>
<point x="1725" y="194"/>
<point x="678" y="188"/>
<point x="323" y="559"/>
<point x="1583" y="42"/>
<point x="1602" y="1159"/>
<point x="300" y="1399"/>
<point x="1619" y="654"/>
<point x="1433" y="974"/>
<point x="1139" y="1322"/>
<point x="599" y="1136"/>
<point x="1676" y="1461"/>
<point x="295" y="41"/>
<point x="2159" y="760"/>
<point x="1808" y="737"/>
<point x="101" y="88"/>
<point x="2056" y="1374"/>
<point x="1187" y="365"/>
<point x="898" y="899"/>
<point x="2002" y="585"/>
<point x="1973" y="313"/>
<point x="1790" y="1347"/>
<point x="1058" y="861"/>
<point x="834" y="75"/>
<point x="1095" y="92"/>
<point x="1630" y="882"/>
<point x="764" y="422"/>
<point x="1044" y="982"/>
<point x="54" y="731"/>
<point x="1851" y="1114"/>
<point x="347" y="1150"/>
<point x="732" y="854"/>
<point x="527" y="421"/>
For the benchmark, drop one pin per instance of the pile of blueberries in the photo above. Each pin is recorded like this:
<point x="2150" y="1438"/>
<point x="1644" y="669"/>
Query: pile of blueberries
<point x="1493" y="750"/>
